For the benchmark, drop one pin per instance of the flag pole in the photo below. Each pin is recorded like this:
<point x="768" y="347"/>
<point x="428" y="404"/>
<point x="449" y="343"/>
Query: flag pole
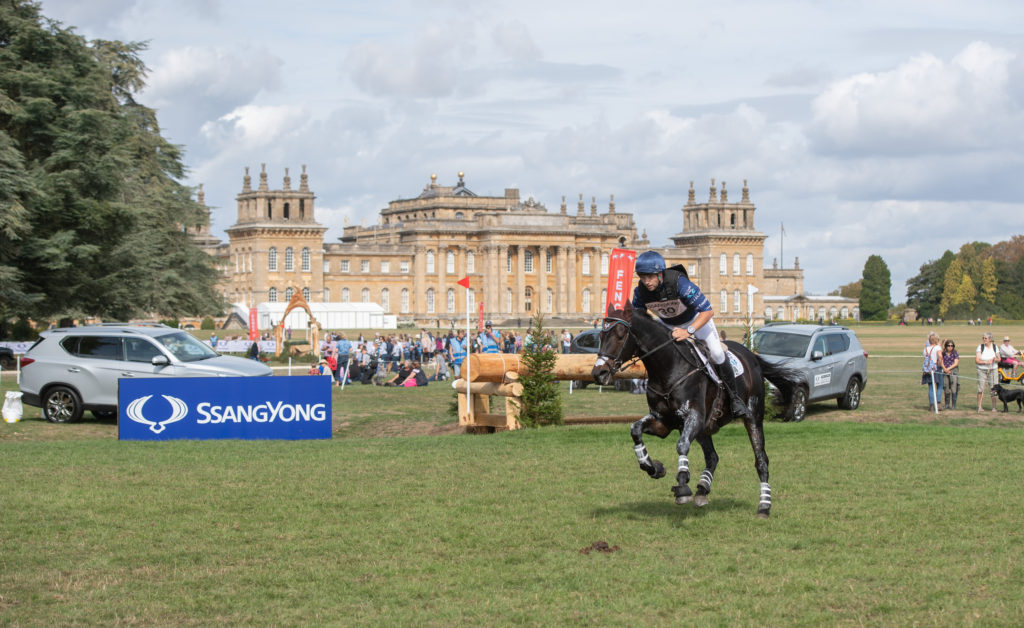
<point x="469" y="343"/>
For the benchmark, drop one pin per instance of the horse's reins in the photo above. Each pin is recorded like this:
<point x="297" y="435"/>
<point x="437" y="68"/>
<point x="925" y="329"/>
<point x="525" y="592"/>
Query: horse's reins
<point x="622" y="366"/>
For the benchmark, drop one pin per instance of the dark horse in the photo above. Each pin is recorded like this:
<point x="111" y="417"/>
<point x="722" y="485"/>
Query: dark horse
<point x="681" y="395"/>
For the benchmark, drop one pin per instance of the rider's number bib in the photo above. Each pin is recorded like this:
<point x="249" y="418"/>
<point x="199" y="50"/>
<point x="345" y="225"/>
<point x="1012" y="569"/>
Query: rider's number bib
<point x="666" y="309"/>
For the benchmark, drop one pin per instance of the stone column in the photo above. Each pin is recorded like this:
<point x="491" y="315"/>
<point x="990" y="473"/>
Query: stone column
<point x="441" y="289"/>
<point x="501" y="282"/>
<point x="520" y="289"/>
<point x="542" y="281"/>
<point x="600" y="283"/>
<point x="571" y="289"/>
<point x="417" y="300"/>
<point x="562" y="279"/>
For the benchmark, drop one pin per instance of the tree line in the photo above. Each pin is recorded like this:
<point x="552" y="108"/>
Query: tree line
<point x="92" y="208"/>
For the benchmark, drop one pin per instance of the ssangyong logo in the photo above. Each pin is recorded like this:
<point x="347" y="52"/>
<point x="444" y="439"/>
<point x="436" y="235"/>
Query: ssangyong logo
<point x="178" y="412"/>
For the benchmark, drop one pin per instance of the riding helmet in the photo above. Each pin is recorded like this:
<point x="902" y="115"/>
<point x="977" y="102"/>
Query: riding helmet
<point x="650" y="262"/>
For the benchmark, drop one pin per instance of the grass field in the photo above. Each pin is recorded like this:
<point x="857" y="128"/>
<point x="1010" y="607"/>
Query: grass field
<point x="888" y="515"/>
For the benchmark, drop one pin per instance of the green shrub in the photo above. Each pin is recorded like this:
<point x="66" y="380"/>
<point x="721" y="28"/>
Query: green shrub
<point x="542" y="404"/>
<point x="171" y="322"/>
<point x="207" y="324"/>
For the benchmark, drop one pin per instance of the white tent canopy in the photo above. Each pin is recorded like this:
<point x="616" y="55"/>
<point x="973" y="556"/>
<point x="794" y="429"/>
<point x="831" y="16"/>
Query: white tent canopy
<point x="330" y="316"/>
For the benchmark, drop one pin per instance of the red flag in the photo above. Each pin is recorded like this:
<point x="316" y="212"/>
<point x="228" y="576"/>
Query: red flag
<point x="620" y="277"/>
<point x="480" y="317"/>
<point x="254" y="329"/>
<point x="464" y="282"/>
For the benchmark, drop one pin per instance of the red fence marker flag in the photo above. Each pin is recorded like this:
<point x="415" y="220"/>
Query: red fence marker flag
<point x="620" y="277"/>
<point x="464" y="282"/>
<point x="254" y="328"/>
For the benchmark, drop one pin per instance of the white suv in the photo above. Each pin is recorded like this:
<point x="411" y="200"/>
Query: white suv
<point x="831" y="359"/>
<point x="73" y="369"/>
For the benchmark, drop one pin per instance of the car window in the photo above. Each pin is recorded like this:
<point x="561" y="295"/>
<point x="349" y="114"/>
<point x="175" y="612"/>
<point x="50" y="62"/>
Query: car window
<point x="837" y="343"/>
<point x="820" y="345"/>
<point x="185" y="347"/>
<point x="140" y="350"/>
<point x="588" y="341"/>
<point x="100" y="347"/>
<point x="780" y="343"/>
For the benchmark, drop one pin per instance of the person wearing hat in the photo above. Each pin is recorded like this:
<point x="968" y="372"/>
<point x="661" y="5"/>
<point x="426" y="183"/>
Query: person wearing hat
<point x="986" y="357"/>
<point x="677" y="302"/>
<point x="457" y="352"/>
<point x="1009" y="355"/>
<point x="489" y="342"/>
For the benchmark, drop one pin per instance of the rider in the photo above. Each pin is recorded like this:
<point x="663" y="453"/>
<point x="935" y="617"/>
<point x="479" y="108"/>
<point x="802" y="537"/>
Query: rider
<point x="679" y="303"/>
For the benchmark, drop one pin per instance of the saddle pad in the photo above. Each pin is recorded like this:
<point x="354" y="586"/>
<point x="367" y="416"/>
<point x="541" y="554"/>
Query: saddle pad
<point x="734" y="362"/>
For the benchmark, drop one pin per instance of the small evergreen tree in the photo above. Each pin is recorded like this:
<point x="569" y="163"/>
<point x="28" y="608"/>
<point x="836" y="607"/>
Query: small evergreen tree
<point x="875" y="285"/>
<point x="542" y="404"/>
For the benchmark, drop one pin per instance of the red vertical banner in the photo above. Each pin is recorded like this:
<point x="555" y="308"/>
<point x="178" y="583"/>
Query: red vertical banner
<point x="620" y="277"/>
<point x="480" y="317"/>
<point x="254" y="328"/>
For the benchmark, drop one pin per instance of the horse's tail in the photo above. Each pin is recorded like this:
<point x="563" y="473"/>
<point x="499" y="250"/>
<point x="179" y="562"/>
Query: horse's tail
<point x="786" y="380"/>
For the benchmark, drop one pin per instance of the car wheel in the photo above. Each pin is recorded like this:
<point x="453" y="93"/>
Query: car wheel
<point x="7" y="362"/>
<point x="62" y="405"/>
<point x="798" y="406"/>
<point x="104" y="415"/>
<point x="851" y="398"/>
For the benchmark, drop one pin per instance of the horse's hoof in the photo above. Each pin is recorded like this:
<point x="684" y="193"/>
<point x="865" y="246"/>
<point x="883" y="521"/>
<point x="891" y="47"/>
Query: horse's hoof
<point x="763" y="514"/>
<point x="659" y="471"/>
<point x="682" y="493"/>
<point x="684" y="499"/>
<point x="700" y="501"/>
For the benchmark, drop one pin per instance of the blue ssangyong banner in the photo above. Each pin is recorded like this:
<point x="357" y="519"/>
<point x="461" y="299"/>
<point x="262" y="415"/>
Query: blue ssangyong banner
<point x="200" y="408"/>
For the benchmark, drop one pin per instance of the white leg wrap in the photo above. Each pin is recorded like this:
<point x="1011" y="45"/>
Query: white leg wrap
<point x="705" y="479"/>
<point x="641" y="454"/>
<point x="766" y="494"/>
<point x="684" y="464"/>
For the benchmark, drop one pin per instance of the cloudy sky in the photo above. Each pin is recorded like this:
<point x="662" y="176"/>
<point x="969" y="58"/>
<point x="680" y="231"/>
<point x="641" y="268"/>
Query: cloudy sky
<point x="888" y="127"/>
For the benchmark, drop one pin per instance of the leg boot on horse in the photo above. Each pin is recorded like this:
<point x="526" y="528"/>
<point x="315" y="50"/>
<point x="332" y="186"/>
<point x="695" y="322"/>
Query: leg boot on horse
<point x="732" y="384"/>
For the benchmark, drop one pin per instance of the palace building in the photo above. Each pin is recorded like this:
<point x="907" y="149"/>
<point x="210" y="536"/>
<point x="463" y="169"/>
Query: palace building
<point x="519" y="256"/>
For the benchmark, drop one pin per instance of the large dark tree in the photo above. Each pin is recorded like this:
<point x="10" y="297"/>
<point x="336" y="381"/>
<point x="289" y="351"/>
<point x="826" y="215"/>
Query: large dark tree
<point x="924" y="291"/>
<point x="875" y="285"/>
<point x="91" y="207"/>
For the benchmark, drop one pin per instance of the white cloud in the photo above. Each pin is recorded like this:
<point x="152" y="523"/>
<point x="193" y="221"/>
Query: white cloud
<point x="256" y="126"/>
<point x="213" y="75"/>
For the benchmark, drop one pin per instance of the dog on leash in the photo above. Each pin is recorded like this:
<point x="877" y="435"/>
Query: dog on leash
<point x="1005" y="395"/>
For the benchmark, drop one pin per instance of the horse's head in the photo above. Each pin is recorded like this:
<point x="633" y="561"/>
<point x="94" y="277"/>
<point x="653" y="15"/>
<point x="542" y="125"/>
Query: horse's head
<point x="617" y="343"/>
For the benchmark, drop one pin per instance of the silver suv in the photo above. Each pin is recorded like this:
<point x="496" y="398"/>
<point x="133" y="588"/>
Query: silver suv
<point x="73" y="369"/>
<point x="833" y="363"/>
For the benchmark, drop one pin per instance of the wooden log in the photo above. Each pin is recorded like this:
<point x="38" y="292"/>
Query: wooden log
<point x="593" y="420"/>
<point x="491" y="367"/>
<point x="490" y="388"/>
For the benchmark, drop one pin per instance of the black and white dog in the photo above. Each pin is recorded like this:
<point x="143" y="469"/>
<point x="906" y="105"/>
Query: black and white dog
<point x="1007" y="394"/>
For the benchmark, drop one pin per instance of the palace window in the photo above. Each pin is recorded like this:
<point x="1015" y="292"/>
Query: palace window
<point x="450" y="300"/>
<point x="364" y="266"/>
<point x="270" y="209"/>
<point x="288" y="294"/>
<point x="272" y="295"/>
<point x="272" y="259"/>
<point x="305" y="294"/>
<point x="547" y="263"/>
<point x="385" y="299"/>
<point x="327" y="266"/>
<point x="750" y="263"/>
<point x="551" y="300"/>
<point x="449" y="262"/>
<point x="586" y="300"/>
<point x="692" y="271"/>
<point x="723" y="301"/>
<point x="286" y="214"/>
<point x="586" y="266"/>
<point x="604" y="298"/>
<point x="405" y="300"/>
<point x="385" y="267"/>
<point x="528" y="299"/>
<point x="767" y="314"/>
<point x="364" y="295"/>
<point x="508" y="261"/>
<point x="327" y="295"/>
<point x="305" y="259"/>
<point x="289" y="259"/>
<point x="430" y="262"/>
<point x="528" y="261"/>
<point x="508" y="300"/>
<point x="723" y="265"/>
<point x="302" y="208"/>
<point x="736" y="263"/>
<point x="345" y="295"/>
<point x="404" y="266"/>
<point x="344" y="266"/>
<point x="735" y="300"/>
<point x="470" y="262"/>
<point x="430" y="301"/>
<point x="604" y="263"/>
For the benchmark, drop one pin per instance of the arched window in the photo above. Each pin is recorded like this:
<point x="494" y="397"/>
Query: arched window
<point x="767" y="314"/>
<point x="305" y="294"/>
<point x="272" y="259"/>
<point x="844" y="312"/>
<point x="449" y="262"/>
<point x="405" y="300"/>
<point x="385" y="299"/>
<point x="305" y="259"/>
<point x="430" y="261"/>
<point x="723" y="301"/>
<point x="722" y="263"/>
<point x="286" y="207"/>
<point x="430" y="301"/>
<point x="470" y="262"/>
<point x="736" y="263"/>
<point x="585" y="301"/>
<point x="528" y="261"/>
<point x="288" y="294"/>
<point x="528" y="298"/>
<point x="833" y="312"/>
<point x="750" y="263"/>
<point x="736" y="301"/>
<point x="272" y="295"/>
<point x="364" y="295"/>
<point x="450" y="301"/>
<point x="781" y="313"/>
<point x="289" y="259"/>
<point x="345" y="295"/>
<point x="586" y="266"/>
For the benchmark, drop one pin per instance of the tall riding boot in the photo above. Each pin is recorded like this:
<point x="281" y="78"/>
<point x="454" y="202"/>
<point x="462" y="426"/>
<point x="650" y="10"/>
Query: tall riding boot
<point x="956" y="391"/>
<point x="946" y="395"/>
<point x="732" y="385"/>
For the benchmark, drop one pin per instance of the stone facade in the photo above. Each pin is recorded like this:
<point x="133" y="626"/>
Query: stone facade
<point x="518" y="255"/>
